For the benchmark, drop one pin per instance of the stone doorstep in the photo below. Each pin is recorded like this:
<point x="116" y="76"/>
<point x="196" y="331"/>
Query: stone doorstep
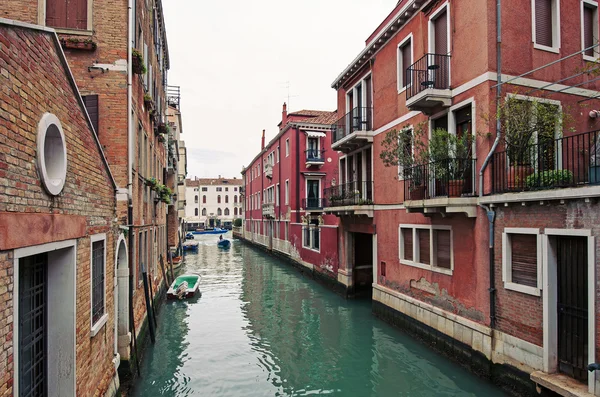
<point x="561" y="384"/>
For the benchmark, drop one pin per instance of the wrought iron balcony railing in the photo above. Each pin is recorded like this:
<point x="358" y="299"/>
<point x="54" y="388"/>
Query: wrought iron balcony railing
<point x="352" y="193"/>
<point x="431" y="71"/>
<point x="358" y="119"/>
<point x="314" y="155"/>
<point x="444" y="178"/>
<point x="313" y="203"/>
<point x="569" y="161"/>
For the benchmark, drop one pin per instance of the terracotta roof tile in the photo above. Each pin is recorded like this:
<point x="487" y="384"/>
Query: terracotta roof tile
<point x="315" y="116"/>
<point x="213" y="181"/>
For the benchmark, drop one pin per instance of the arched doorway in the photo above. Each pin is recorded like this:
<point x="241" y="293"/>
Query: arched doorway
<point x="122" y="301"/>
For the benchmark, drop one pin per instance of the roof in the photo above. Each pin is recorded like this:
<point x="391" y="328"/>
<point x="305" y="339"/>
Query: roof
<point x="314" y="116"/>
<point x="213" y="181"/>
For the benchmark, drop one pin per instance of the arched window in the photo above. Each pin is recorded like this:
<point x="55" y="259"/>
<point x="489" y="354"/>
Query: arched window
<point x="196" y="211"/>
<point x="226" y="211"/>
<point x="203" y="199"/>
<point x="219" y="198"/>
<point x="235" y="211"/>
<point x="219" y="212"/>
<point x="203" y="211"/>
<point x="235" y="199"/>
<point x="226" y="199"/>
<point x="196" y="199"/>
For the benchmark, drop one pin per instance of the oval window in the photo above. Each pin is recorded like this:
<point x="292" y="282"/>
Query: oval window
<point x="52" y="154"/>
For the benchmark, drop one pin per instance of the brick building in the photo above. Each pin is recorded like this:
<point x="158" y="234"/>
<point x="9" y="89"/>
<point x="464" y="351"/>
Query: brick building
<point x="529" y="304"/>
<point x="118" y="55"/>
<point x="212" y="202"/>
<point x="283" y="193"/>
<point x="59" y="243"/>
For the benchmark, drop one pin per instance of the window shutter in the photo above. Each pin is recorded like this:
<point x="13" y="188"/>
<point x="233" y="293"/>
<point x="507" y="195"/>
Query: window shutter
<point x="56" y="13"/>
<point x="443" y="248"/>
<point x="524" y="259"/>
<point x="407" y="236"/>
<point x="588" y="29"/>
<point x="543" y="22"/>
<point x="441" y="34"/>
<point x="77" y="14"/>
<point x="424" y="246"/>
<point x="146" y="64"/>
<point x="91" y="104"/>
<point x="406" y="62"/>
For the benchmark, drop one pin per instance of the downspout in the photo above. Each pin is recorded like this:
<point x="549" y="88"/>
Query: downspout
<point x="298" y="174"/>
<point x="490" y="212"/>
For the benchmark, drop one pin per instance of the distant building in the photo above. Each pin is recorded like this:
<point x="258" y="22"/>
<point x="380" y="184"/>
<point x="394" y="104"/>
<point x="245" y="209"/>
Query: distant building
<point x="212" y="202"/>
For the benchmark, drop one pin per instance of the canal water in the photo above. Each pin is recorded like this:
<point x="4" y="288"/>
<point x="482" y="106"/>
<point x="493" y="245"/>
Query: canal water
<point x="263" y="329"/>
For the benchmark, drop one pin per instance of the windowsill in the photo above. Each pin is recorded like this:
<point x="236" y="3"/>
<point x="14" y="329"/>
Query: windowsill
<point x="73" y="31"/>
<point x="555" y="50"/>
<point x="591" y="59"/>
<point x="99" y="324"/>
<point x="311" y="249"/>
<point x="525" y="289"/>
<point x="400" y="91"/>
<point x="447" y="272"/>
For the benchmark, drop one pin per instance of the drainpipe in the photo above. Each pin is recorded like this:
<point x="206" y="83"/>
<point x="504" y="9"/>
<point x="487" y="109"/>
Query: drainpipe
<point x="297" y="174"/>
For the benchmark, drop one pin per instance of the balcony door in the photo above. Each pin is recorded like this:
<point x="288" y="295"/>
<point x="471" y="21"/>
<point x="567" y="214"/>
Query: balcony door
<point x="438" y="64"/>
<point x="313" y="187"/>
<point x="313" y="148"/>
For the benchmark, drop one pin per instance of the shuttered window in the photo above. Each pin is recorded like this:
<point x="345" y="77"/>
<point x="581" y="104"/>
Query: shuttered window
<point x="543" y="22"/>
<point x="405" y="62"/>
<point x="441" y="33"/>
<point x="67" y="14"/>
<point x="589" y="12"/>
<point x="442" y="249"/>
<point x="524" y="259"/>
<point x="424" y="246"/>
<point x="91" y="104"/>
<point x="407" y="237"/>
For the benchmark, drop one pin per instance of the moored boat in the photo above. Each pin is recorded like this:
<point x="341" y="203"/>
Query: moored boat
<point x="224" y="243"/>
<point x="216" y="230"/>
<point x="184" y="286"/>
<point x="189" y="236"/>
<point x="190" y="246"/>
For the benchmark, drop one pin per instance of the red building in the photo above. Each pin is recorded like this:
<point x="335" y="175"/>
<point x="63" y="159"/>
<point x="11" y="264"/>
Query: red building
<point x="283" y="193"/>
<point x="525" y="302"/>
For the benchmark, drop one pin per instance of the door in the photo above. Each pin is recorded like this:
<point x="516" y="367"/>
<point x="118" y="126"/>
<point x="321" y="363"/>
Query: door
<point x="313" y="149"/>
<point x="572" y="306"/>
<point x="312" y="194"/>
<point x="440" y="62"/>
<point x="33" y="325"/>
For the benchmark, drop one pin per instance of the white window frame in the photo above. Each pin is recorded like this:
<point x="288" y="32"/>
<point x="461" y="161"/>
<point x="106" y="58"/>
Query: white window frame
<point x="507" y="259"/>
<point x="278" y="154"/>
<point x="415" y="262"/>
<point x="555" y="48"/>
<point x="277" y="203"/>
<point x="96" y="327"/>
<point x="90" y="20"/>
<point x="402" y="73"/>
<point x="590" y="4"/>
<point x="318" y="143"/>
<point x="287" y="147"/>
<point x="311" y="234"/>
<point x="287" y="192"/>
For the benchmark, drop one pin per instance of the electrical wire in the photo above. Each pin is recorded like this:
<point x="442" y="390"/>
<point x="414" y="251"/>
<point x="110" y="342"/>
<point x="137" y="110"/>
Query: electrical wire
<point x="561" y="80"/>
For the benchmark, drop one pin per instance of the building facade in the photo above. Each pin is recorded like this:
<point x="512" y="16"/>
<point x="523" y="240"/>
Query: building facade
<point x="212" y="202"/>
<point x="283" y="193"/>
<point x="525" y="301"/>
<point x="60" y="247"/>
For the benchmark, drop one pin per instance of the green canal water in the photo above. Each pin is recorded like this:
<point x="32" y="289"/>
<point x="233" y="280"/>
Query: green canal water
<point x="263" y="329"/>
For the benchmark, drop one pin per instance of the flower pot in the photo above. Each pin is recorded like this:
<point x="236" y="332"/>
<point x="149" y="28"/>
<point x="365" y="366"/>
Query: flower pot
<point x="78" y="45"/>
<point x="137" y="64"/>
<point x="417" y="193"/>
<point x="517" y="175"/>
<point x="455" y="188"/>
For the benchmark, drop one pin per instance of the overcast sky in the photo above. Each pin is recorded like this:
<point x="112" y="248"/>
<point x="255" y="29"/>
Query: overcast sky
<point x="234" y="58"/>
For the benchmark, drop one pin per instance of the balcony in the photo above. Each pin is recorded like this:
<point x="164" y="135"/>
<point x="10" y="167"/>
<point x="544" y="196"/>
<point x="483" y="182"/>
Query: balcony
<point x="429" y="83"/>
<point x="269" y="171"/>
<point x="353" y="130"/>
<point x="268" y="210"/>
<point x="538" y="170"/>
<point x="313" y="204"/>
<point x="445" y="186"/>
<point x="180" y="180"/>
<point x="353" y="198"/>
<point x="315" y="157"/>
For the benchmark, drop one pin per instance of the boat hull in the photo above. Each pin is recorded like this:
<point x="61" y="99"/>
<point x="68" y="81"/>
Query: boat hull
<point x="224" y="244"/>
<point x="211" y="232"/>
<point x="191" y="291"/>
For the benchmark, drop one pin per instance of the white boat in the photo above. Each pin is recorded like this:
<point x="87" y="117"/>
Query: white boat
<point x="184" y="286"/>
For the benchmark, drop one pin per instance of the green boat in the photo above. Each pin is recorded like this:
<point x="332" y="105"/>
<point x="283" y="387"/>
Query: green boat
<point x="184" y="286"/>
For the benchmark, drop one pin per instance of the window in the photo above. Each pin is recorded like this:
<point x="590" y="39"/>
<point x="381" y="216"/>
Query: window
<point x="235" y="211"/>
<point x="51" y="154"/>
<point x="196" y="211"/>
<point x="219" y="199"/>
<point x="196" y="199"/>
<point x="226" y="199"/>
<point x="589" y="29"/>
<point x="522" y="260"/>
<point x="91" y="105"/>
<point x="203" y="211"/>
<point x="427" y="246"/>
<point x="311" y="237"/>
<point x="235" y="189"/>
<point x="226" y="211"/>
<point x="205" y="189"/>
<point x="219" y="212"/>
<point x="277" y="154"/>
<point x="219" y="189"/>
<point x="287" y="147"/>
<point x="405" y="58"/>
<point x="67" y="14"/>
<point x="287" y="193"/>
<point x="235" y="199"/>
<point x="204" y="199"/>
<point x="98" y="259"/>
<point x="277" y="194"/>
<point x="546" y="24"/>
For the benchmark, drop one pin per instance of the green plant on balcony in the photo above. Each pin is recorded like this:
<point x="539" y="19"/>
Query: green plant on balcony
<point x="152" y="182"/>
<point x="237" y="222"/>
<point x="149" y="103"/>
<point x="549" y="178"/>
<point x="163" y="128"/>
<point x="137" y="62"/>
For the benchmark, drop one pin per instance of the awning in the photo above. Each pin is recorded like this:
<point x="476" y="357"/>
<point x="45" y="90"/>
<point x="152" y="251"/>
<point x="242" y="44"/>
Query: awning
<point x="315" y="134"/>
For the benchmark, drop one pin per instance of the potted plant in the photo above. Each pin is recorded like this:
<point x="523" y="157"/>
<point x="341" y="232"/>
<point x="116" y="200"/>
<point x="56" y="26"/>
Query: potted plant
<point x="551" y="178"/>
<point x="152" y="182"/>
<point x="137" y="62"/>
<point x="78" y="43"/>
<point x="162" y="128"/>
<point x="148" y="102"/>
<point x="594" y="170"/>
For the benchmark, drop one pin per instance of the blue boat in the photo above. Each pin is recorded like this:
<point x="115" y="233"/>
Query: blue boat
<point x="224" y="243"/>
<point x="216" y="230"/>
<point x="190" y="246"/>
<point x="189" y="236"/>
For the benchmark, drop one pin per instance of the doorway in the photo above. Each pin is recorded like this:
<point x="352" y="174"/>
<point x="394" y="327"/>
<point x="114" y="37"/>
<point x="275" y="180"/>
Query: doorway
<point x="362" y="272"/>
<point x="122" y="296"/>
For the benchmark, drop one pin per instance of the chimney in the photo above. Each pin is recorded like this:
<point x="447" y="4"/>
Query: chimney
<point x="284" y="115"/>
<point x="262" y="142"/>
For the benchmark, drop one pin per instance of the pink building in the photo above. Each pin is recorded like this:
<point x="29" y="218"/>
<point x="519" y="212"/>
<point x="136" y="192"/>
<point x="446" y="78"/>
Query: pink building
<point x="283" y="193"/>
<point x="526" y="302"/>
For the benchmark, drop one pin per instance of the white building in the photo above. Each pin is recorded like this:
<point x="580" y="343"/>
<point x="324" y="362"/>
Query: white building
<point x="211" y="202"/>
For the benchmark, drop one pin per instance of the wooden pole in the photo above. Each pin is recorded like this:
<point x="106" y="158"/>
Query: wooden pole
<point x="152" y="301"/>
<point x="164" y="273"/>
<point x="148" y="307"/>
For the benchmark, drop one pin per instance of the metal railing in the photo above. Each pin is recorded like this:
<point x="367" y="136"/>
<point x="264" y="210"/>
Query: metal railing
<point x="173" y="95"/>
<point x="358" y="119"/>
<point x="431" y="71"/>
<point x="313" y="203"/>
<point x="444" y="178"/>
<point x="547" y="164"/>
<point x="352" y="193"/>
<point x="315" y="155"/>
